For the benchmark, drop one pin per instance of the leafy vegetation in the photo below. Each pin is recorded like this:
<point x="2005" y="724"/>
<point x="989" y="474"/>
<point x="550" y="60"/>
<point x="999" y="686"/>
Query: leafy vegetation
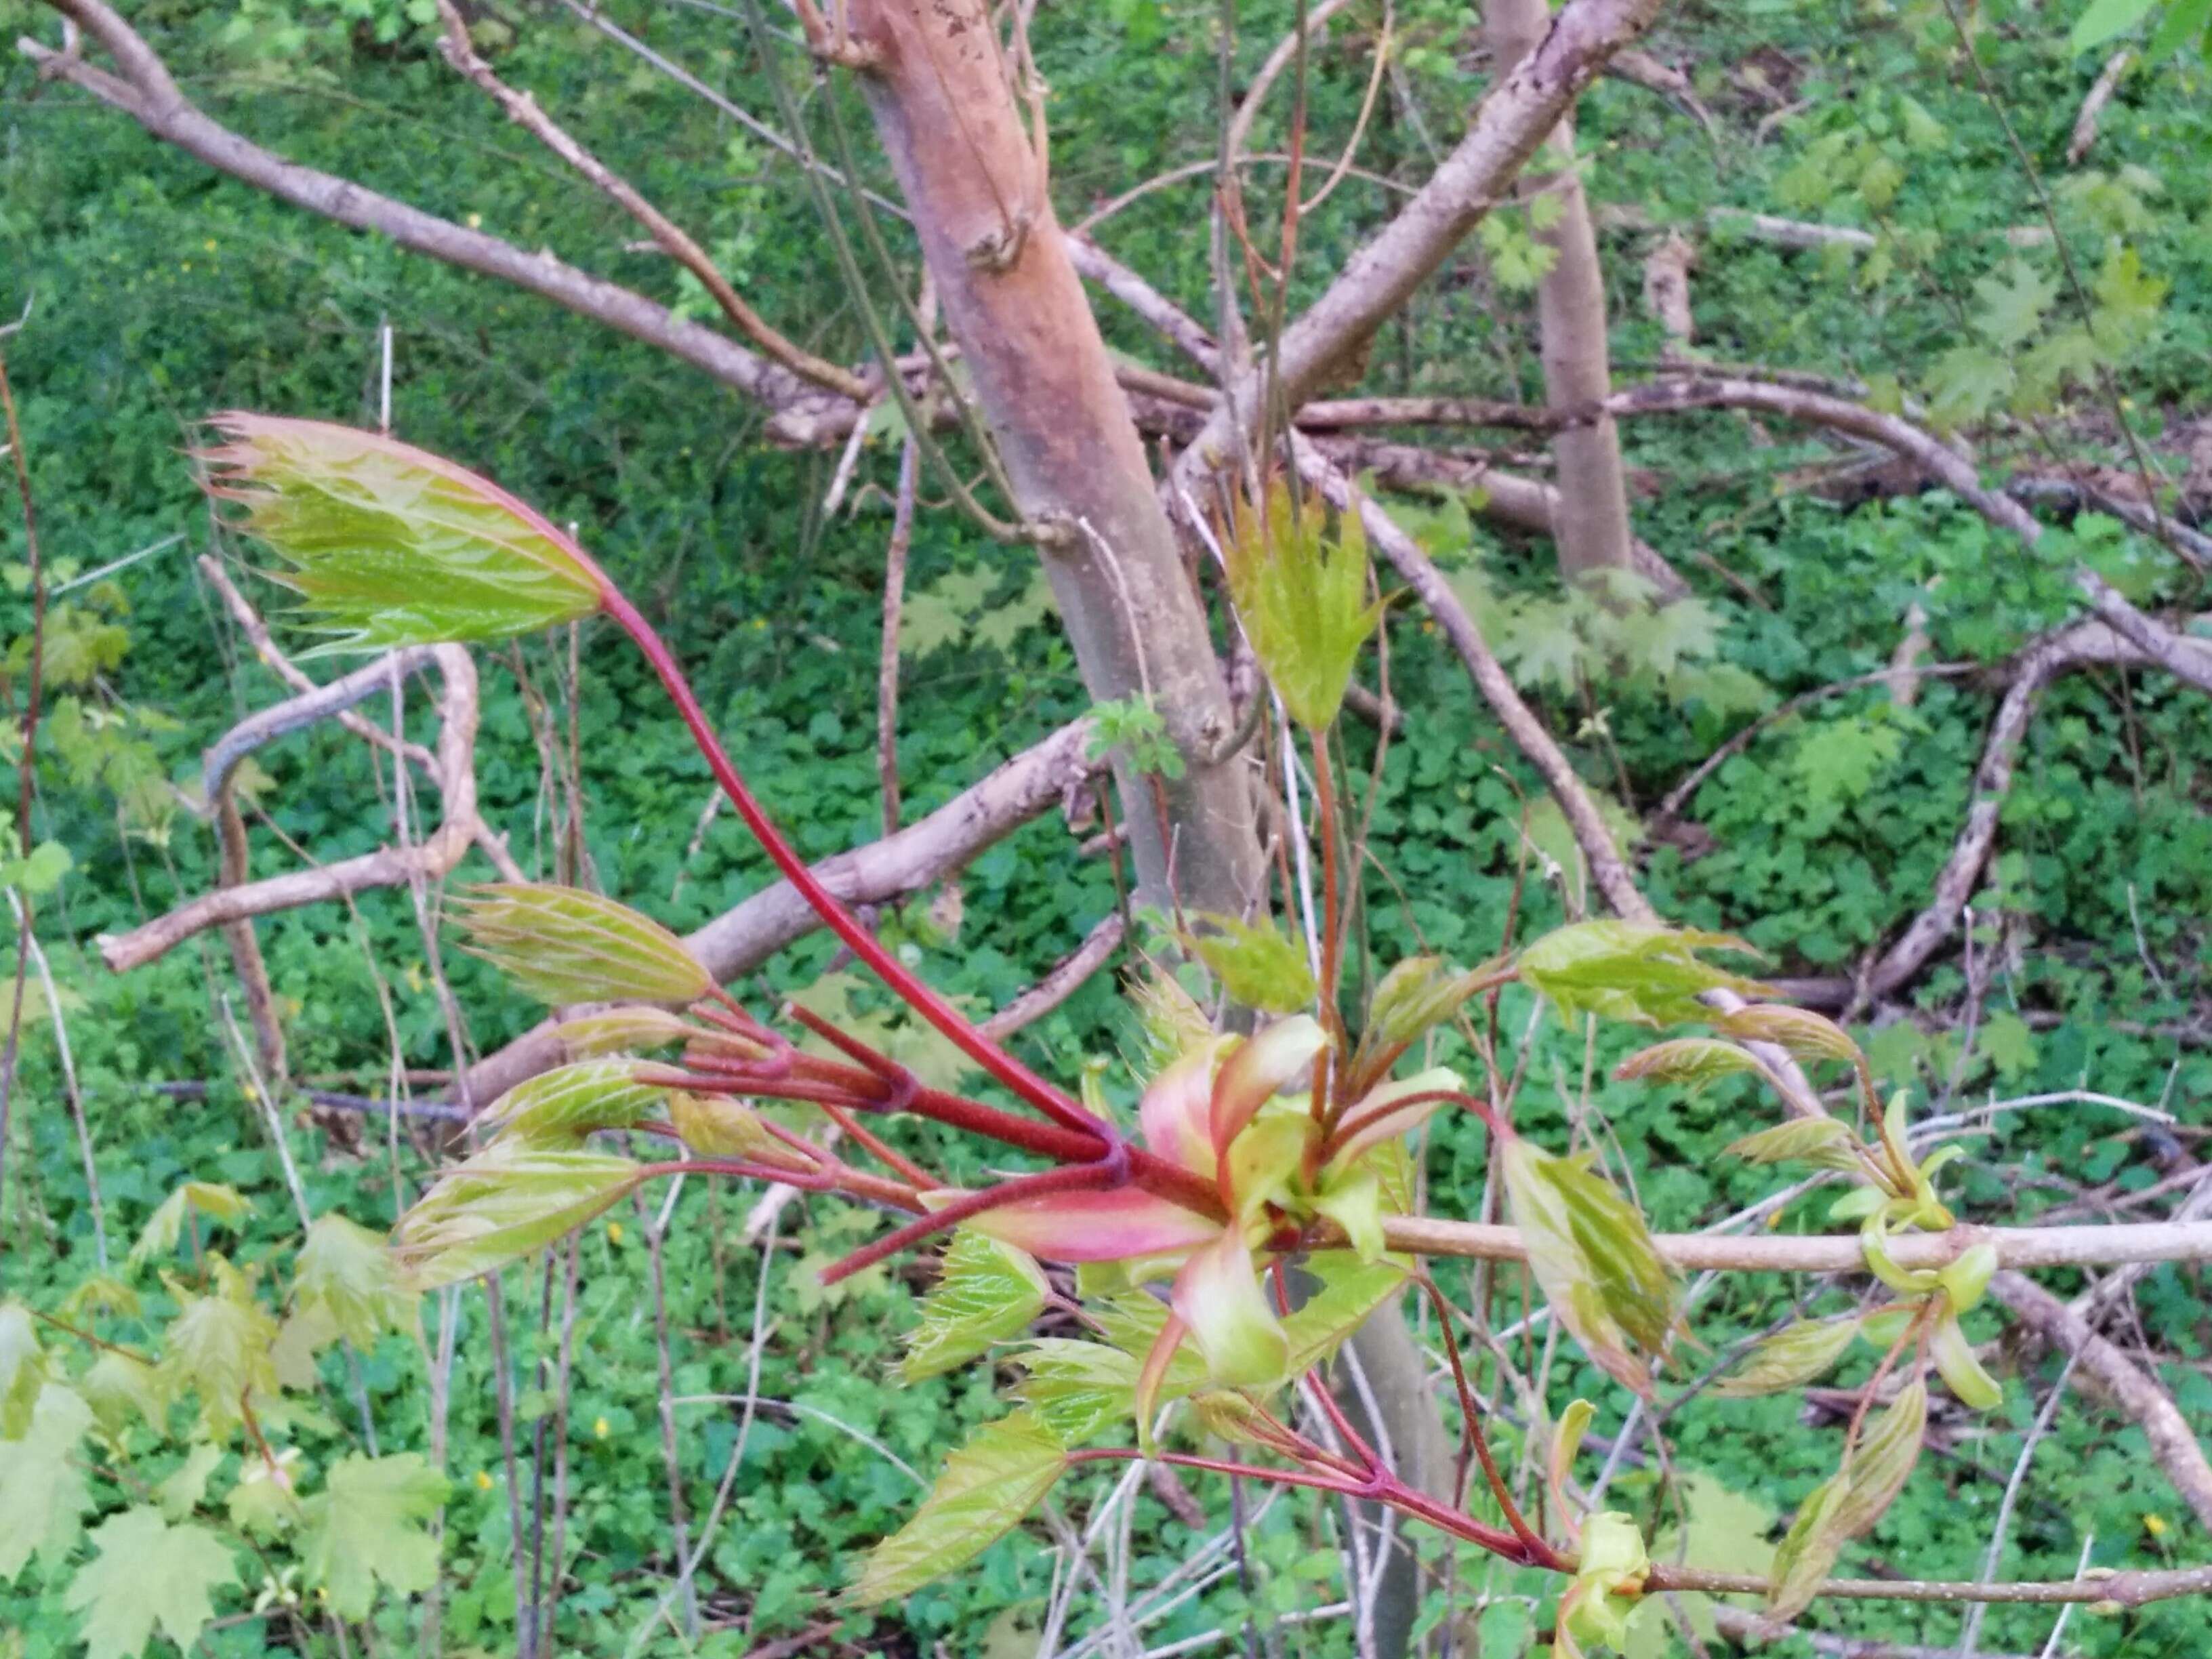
<point x="245" y="1433"/>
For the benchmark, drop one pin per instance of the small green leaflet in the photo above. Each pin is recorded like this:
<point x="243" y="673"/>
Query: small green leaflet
<point x="345" y="1273"/>
<point x="220" y="1205"/>
<point x="564" y="945"/>
<point x="148" y="1574"/>
<point x="558" y="1109"/>
<point x="1826" y="1143"/>
<point x="45" y="1494"/>
<point x="366" y="1524"/>
<point x="180" y="1493"/>
<point x="1692" y="1062"/>
<point x="1643" y="972"/>
<point x="986" y="1292"/>
<point x="1302" y="597"/>
<point x="988" y="1484"/>
<point x="1257" y="964"/>
<point x="1789" y="1358"/>
<point x="1850" y="1502"/>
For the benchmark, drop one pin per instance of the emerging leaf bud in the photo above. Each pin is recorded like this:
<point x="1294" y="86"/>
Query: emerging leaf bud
<point x="390" y="545"/>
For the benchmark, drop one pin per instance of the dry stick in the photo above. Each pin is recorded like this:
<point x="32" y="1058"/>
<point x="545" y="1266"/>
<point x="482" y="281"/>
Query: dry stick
<point x="404" y="863"/>
<point x="686" y="1587"/>
<point x="2101" y="93"/>
<point x="28" y="939"/>
<point x="1970" y="1638"/>
<point x="29" y="745"/>
<point x="523" y="109"/>
<point x="887" y="662"/>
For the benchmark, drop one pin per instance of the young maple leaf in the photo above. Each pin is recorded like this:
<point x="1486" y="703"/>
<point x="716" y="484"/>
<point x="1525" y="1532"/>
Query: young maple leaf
<point x="366" y="1524"/>
<point x="148" y="1574"/>
<point x="44" y="1484"/>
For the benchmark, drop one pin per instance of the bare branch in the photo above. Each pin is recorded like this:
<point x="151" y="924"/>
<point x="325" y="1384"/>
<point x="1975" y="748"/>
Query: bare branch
<point x="2110" y="1245"/>
<point x="1066" y="977"/>
<point x="1508" y="126"/>
<point x="673" y="239"/>
<point x="387" y="866"/>
<point x="144" y="91"/>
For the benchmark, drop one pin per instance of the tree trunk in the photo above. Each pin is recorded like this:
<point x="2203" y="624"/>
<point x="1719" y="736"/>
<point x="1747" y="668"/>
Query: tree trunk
<point x="1590" y="523"/>
<point x="944" y="107"/>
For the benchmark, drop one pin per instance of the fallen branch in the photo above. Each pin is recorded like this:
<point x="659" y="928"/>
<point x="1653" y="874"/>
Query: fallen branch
<point x="2122" y="1589"/>
<point x="388" y="866"/>
<point x="2101" y="93"/>
<point x="143" y="90"/>
<point x="1787" y="233"/>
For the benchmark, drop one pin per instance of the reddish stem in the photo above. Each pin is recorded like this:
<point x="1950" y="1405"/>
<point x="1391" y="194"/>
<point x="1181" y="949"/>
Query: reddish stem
<point x="1471" y="1417"/>
<point x="1054" y="1102"/>
<point x="884" y="1152"/>
<point x="1074" y="1178"/>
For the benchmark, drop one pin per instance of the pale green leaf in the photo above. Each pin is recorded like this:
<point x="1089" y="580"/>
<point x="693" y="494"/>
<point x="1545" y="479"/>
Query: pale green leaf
<point x="2012" y="305"/>
<point x="562" y="945"/>
<point x="986" y="1292"/>
<point x="220" y="1205"/>
<point x="367" y="1525"/>
<point x="218" y="1345"/>
<point x="1256" y="962"/>
<point x="390" y="545"/>
<point x="345" y="1272"/>
<point x="181" y="1491"/>
<point x="1791" y="1358"/>
<point x="988" y="1486"/>
<point x="1302" y="597"/>
<point x="43" y="1494"/>
<point x="22" y="1369"/>
<point x="118" y="1387"/>
<point x="510" y="1200"/>
<point x="1849" y="1504"/>
<point x="148" y="1576"/>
